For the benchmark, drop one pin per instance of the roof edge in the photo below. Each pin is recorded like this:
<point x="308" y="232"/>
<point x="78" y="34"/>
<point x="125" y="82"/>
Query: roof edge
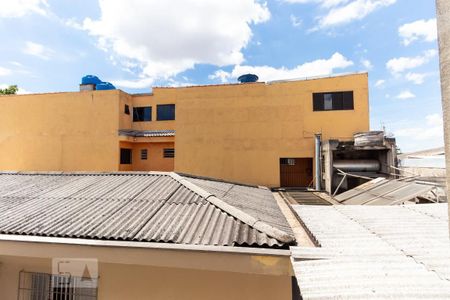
<point x="237" y="213"/>
<point x="142" y="245"/>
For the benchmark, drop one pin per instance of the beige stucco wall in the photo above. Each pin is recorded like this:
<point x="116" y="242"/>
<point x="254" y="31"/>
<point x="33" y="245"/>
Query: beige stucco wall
<point x="239" y="132"/>
<point x="59" y="131"/>
<point x="118" y="281"/>
<point x="163" y="271"/>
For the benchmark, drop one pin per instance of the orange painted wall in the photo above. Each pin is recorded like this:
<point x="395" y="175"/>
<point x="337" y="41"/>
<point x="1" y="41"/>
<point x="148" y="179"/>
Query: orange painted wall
<point x="155" y="158"/>
<point x="239" y="132"/>
<point x="59" y="131"/>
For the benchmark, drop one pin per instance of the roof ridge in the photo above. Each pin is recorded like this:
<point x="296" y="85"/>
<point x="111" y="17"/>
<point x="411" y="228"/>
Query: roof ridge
<point x="235" y="212"/>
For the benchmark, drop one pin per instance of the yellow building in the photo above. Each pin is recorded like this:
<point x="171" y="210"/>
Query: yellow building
<point x="255" y="133"/>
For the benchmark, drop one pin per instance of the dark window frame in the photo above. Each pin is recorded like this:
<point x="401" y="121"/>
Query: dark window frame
<point x="165" y="112"/>
<point x="142" y="114"/>
<point x="126" y="156"/>
<point x="339" y="101"/>
<point x="169" y="152"/>
<point x="144" y="154"/>
<point x="126" y="109"/>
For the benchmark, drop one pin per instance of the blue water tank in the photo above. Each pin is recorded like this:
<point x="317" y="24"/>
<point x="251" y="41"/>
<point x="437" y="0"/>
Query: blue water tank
<point x="103" y="86"/>
<point x="90" y="79"/>
<point x="248" y="78"/>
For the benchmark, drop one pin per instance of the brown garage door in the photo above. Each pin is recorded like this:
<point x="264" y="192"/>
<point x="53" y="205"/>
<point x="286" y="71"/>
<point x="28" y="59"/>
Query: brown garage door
<point x="296" y="172"/>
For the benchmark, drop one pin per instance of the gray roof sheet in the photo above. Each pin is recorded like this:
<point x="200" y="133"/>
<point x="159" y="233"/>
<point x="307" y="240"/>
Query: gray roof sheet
<point x="146" y="133"/>
<point x="374" y="252"/>
<point x="381" y="191"/>
<point x="147" y="207"/>
<point x="255" y="201"/>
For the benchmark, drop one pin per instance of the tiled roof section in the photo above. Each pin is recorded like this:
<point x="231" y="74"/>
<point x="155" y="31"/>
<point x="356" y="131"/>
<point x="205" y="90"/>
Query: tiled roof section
<point x="146" y="133"/>
<point x="255" y="201"/>
<point x="146" y="207"/>
<point x="375" y="252"/>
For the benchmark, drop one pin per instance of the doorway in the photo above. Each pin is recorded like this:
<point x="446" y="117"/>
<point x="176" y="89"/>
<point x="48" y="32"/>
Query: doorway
<point x="296" y="172"/>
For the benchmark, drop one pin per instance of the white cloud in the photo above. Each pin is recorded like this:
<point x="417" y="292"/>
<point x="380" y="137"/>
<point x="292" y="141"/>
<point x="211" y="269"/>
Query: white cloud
<point x="20" y="8"/>
<point x="4" y="71"/>
<point x="166" y="41"/>
<point x="296" y="22"/>
<point x="398" y="65"/>
<point x="15" y="63"/>
<point x="37" y="50"/>
<point x="133" y="84"/>
<point x="416" y="78"/>
<point x="405" y="95"/>
<point x="339" y="12"/>
<point x="367" y="64"/>
<point x="323" y="3"/>
<point x="73" y="23"/>
<point x="309" y="69"/>
<point x="355" y="10"/>
<point x="425" y="30"/>
<point x="380" y="83"/>
<point x="431" y="128"/>
<point x="434" y="120"/>
<point x="220" y="74"/>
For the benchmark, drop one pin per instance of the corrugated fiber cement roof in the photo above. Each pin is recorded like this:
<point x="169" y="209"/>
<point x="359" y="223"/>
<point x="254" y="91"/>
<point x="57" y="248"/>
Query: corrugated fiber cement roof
<point x="374" y="252"/>
<point x="145" y="207"/>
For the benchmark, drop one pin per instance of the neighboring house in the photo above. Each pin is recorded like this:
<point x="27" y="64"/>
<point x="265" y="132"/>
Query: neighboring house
<point x="254" y="133"/>
<point x="151" y="236"/>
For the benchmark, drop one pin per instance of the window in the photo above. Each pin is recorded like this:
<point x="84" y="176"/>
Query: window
<point x="142" y="114"/>
<point x="287" y="161"/>
<point x="143" y="154"/>
<point x="127" y="109"/>
<point x="125" y="156"/>
<point x="333" y="101"/>
<point x="169" y="152"/>
<point x="47" y="286"/>
<point x="165" y="112"/>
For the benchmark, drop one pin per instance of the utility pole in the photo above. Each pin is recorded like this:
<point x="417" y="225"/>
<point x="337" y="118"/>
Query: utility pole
<point x="443" y="26"/>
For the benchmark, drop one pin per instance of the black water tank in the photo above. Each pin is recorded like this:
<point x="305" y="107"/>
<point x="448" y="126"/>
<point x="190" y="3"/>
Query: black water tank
<point x="248" y="78"/>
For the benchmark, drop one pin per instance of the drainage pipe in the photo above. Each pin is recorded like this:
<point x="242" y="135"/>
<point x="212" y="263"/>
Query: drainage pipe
<point x="318" y="158"/>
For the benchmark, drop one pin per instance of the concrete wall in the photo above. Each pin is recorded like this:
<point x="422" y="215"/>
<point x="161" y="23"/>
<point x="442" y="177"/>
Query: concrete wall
<point x="59" y="131"/>
<point x="239" y="132"/>
<point x="443" y="25"/>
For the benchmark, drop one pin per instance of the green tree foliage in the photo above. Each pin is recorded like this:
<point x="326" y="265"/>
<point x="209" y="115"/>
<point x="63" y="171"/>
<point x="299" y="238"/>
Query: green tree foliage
<point x="11" y="90"/>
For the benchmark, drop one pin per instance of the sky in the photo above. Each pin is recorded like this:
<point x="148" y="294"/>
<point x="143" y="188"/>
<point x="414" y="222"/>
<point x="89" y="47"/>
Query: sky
<point x="48" y="45"/>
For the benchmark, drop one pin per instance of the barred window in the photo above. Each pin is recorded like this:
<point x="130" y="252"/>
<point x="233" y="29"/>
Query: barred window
<point x="144" y="153"/>
<point x="287" y="161"/>
<point x="169" y="152"/>
<point x="47" y="286"/>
